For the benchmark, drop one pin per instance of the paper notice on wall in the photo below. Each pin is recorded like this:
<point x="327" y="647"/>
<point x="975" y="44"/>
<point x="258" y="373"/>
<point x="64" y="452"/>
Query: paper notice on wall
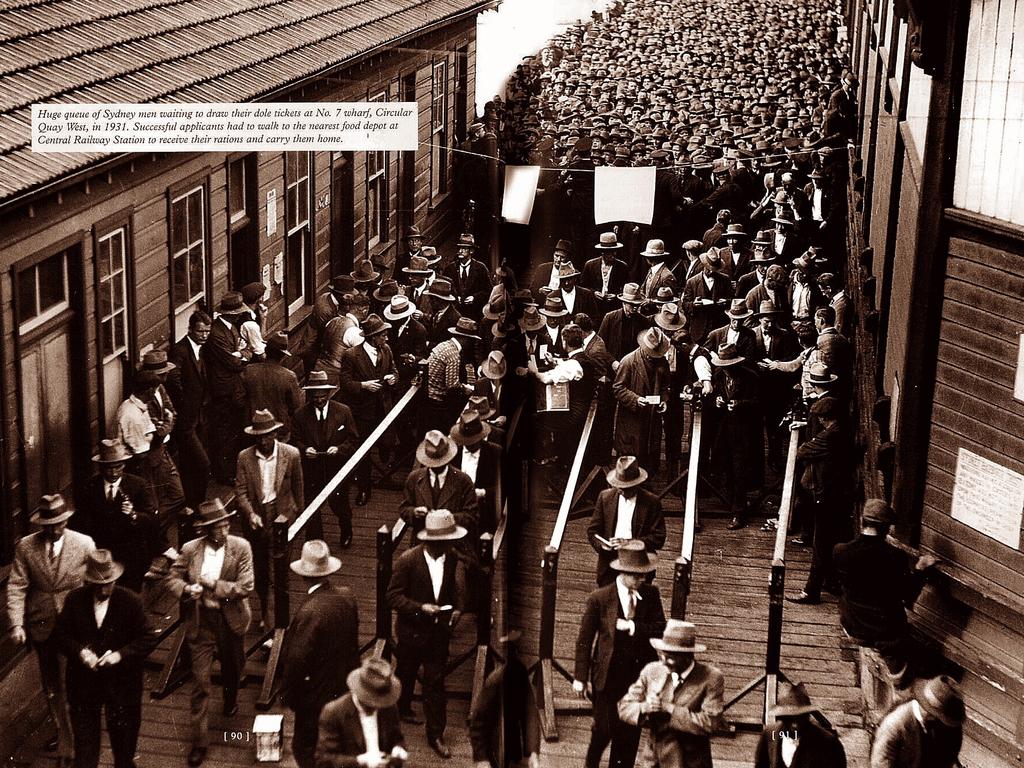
<point x="624" y="194"/>
<point x="1018" y="382"/>
<point x="988" y="497"/>
<point x="271" y="211"/>
<point x="520" y="193"/>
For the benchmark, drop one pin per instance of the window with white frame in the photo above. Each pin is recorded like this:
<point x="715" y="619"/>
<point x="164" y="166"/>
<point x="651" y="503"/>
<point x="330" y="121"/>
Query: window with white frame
<point x="298" y="245"/>
<point x="439" y="129"/>
<point x="188" y="254"/>
<point x="42" y="291"/>
<point x="377" y="191"/>
<point x="112" y="292"/>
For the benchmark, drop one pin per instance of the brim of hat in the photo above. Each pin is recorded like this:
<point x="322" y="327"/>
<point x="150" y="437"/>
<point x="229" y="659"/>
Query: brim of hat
<point x="791" y="710"/>
<point x="438" y="296"/>
<point x="98" y="460"/>
<point x="240" y="310"/>
<point x="204" y="523"/>
<point x="716" y="360"/>
<point x="319" y="387"/>
<point x="830" y="380"/>
<point x="37" y="519"/>
<point x="377" y="295"/>
<point x="614" y="482"/>
<point x="669" y="327"/>
<point x="402" y="315"/>
<point x="655" y="255"/>
<point x="756" y="260"/>
<point x="531" y="326"/>
<point x="299" y="567"/>
<point x="458" y="437"/>
<point x="488" y="314"/>
<point x="773" y="313"/>
<point x="660" y="645"/>
<point x="455" y="535"/>
<point x="373" y="276"/>
<point x="118" y="570"/>
<point x="549" y="313"/>
<point x="622" y="297"/>
<point x="879" y="520"/>
<point x="426" y="461"/>
<point x="616" y="565"/>
<point x="748" y="313"/>
<point x="409" y="271"/>
<point x="165" y="368"/>
<point x="265" y="431"/>
<point x="378" y="332"/>
<point x="600" y="247"/>
<point x="456" y="332"/>
<point x="782" y="221"/>
<point x="928" y="707"/>
<point x="373" y="698"/>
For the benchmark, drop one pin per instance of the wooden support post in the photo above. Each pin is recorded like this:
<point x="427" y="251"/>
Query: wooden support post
<point x="680" y="587"/>
<point x="282" y="612"/>
<point x="547" y="642"/>
<point x="483" y="616"/>
<point x="167" y="680"/>
<point x="384" y="554"/>
<point x="773" y="652"/>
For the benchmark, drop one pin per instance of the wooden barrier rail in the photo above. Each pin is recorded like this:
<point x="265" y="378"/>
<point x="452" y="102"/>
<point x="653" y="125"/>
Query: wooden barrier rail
<point x="682" y="573"/>
<point x="547" y="665"/>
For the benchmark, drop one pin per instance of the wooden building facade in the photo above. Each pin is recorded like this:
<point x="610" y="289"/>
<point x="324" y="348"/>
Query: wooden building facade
<point x="104" y="257"/>
<point x="937" y="271"/>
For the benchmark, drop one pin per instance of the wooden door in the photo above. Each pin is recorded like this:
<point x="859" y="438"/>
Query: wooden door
<point x="342" y="214"/>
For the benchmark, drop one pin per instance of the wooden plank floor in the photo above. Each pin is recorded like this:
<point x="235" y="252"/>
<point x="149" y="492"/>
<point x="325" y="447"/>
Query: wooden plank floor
<point x="729" y="604"/>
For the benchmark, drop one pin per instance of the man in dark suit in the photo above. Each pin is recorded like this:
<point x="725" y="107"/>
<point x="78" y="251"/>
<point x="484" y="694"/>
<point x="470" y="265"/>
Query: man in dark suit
<point x="368" y="376"/>
<point x="605" y="274"/>
<point x="879" y="585"/>
<point x="775" y="289"/>
<point x="103" y="634"/>
<point x="321" y="647"/>
<point x="575" y="298"/>
<point x="794" y="740"/>
<point x="774" y="342"/>
<point x="119" y="513"/>
<point x="214" y="576"/>
<point x="470" y="278"/>
<point x="438" y="485"/>
<point x="545" y="276"/>
<point x="759" y="263"/>
<point x="427" y="593"/>
<point x="786" y="244"/>
<point x="413" y="244"/>
<point x="444" y="315"/>
<point x="736" y="331"/>
<point x="188" y="388"/>
<point x="613" y="645"/>
<point x="326" y="435"/>
<point x="625" y="512"/>
<point x="270" y="385"/>
<point x="705" y="296"/>
<point x="269" y="484"/>
<point x="620" y="328"/>
<point x="480" y="460"/>
<point x="223" y="362"/>
<point x="838" y="301"/>
<point x="362" y="727"/>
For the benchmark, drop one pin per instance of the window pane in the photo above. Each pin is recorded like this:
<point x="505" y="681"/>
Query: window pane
<point x="103" y="258"/>
<point x="51" y="282"/>
<point x="371" y="206"/>
<point x="181" y="295"/>
<point x="120" y="342"/>
<point x="303" y="202"/>
<point x="290" y="167"/>
<point x="26" y="294"/>
<point x="118" y="294"/>
<point x="106" y="304"/>
<point x="293" y="267"/>
<point x="178" y="225"/>
<point x="107" y="342"/>
<point x="291" y="208"/>
<point x="195" y="263"/>
<point x="195" y="217"/>
<point x="236" y="187"/>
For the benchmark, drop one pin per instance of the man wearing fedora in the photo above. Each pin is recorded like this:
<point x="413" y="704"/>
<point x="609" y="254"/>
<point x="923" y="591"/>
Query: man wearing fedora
<point x="774" y="342"/>
<point x="624" y="512"/>
<point x="491" y="383"/>
<point x="416" y="278"/>
<point x="736" y="331"/>
<point x="102" y="632"/>
<point x="480" y="460"/>
<point x="679" y="699"/>
<point x="613" y="645"/>
<point x="574" y="297"/>
<point x="737" y="253"/>
<point x="213" y="577"/>
<point x="223" y="362"/>
<point x="326" y="435"/>
<point x="760" y="261"/>
<point x="620" y="328"/>
<point x="924" y="732"/>
<point x="269" y="384"/>
<point x="606" y="273"/>
<point x="738" y="447"/>
<point x="443" y="314"/>
<point x="47" y="565"/>
<point x="878" y="585"/>
<point x="189" y="389"/>
<point x="658" y="275"/>
<point x="470" y="278"/>
<point x="367" y="379"/>
<point x="427" y="592"/>
<point x="554" y="313"/>
<point x="269" y="484"/>
<point x="119" y="514"/>
<point x="438" y="484"/>
<point x="365" y="276"/>
<point x="451" y="374"/>
<point x="641" y="390"/>
<point x="333" y="339"/>
<point x="407" y="337"/>
<point x="327" y="306"/>
<point x="362" y="727"/>
<point x="321" y="647"/>
<point x="794" y="740"/>
<point x="705" y="296"/>
<point x="413" y="239"/>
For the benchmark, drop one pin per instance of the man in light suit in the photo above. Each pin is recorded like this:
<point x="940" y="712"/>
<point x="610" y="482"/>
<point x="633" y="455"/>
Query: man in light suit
<point x="362" y="727"/>
<point x="269" y="484"/>
<point x="623" y="513"/>
<point x="47" y="565"/>
<point x="321" y="647"/>
<point x="679" y="699"/>
<point x="214" y="576"/>
<point x="613" y="645"/>
<point x="658" y="273"/>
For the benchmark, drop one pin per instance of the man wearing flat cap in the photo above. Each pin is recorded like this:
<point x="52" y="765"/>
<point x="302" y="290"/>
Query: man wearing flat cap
<point x="362" y="727"/>
<point x="213" y="577"/>
<point x="794" y="740"/>
<point x="326" y="435"/>
<point x="427" y="592"/>
<point x="679" y="699"/>
<point x="641" y="390"/>
<point x="102" y="632"/>
<point x="321" y="647"/>
<point x="925" y="732"/>
<point x="48" y="564"/>
<point x="613" y="645"/>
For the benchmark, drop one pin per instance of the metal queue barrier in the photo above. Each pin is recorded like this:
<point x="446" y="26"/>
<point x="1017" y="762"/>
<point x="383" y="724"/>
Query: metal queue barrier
<point x="773" y="674"/>
<point x="682" y="572"/>
<point x="546" y="666"/>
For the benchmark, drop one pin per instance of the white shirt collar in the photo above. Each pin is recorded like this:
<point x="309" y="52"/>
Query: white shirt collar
<point x="271" y="457"/>
<point x="590" y="338"/>
<point x="314" y="588"/>
<point x="196" y="348"/>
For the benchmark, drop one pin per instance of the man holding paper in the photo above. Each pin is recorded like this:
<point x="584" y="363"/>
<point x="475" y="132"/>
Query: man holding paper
<point x="641" y="388"/>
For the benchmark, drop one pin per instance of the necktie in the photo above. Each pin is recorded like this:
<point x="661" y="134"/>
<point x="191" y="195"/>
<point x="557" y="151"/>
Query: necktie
<point x="435" y="489"/>
<point x="110" y="492"/>
<point x="53" y="552"/>
<point x="632" y="604"/>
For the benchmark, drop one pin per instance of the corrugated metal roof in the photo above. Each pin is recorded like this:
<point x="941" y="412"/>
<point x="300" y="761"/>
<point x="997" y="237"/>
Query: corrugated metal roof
<point x="135" y="51"/>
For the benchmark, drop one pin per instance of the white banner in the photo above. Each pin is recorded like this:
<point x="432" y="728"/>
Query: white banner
<point x="520" y="193"/>
<point x="296" y="127"/>
<point x="624" y="194"/>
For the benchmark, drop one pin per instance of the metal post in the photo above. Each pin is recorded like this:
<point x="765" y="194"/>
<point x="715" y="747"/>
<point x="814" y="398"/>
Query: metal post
<point x="680" y="587"/>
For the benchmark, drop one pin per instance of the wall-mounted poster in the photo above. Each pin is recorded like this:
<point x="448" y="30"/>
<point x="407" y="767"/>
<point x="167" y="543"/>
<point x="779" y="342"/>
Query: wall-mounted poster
<point x="988" y="497"/>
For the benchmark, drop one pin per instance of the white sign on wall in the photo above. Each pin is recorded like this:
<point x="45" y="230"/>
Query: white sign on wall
<point x="271" y="211"/>
<point x="1018" y="383"/>
<point x="988" y="497"/>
